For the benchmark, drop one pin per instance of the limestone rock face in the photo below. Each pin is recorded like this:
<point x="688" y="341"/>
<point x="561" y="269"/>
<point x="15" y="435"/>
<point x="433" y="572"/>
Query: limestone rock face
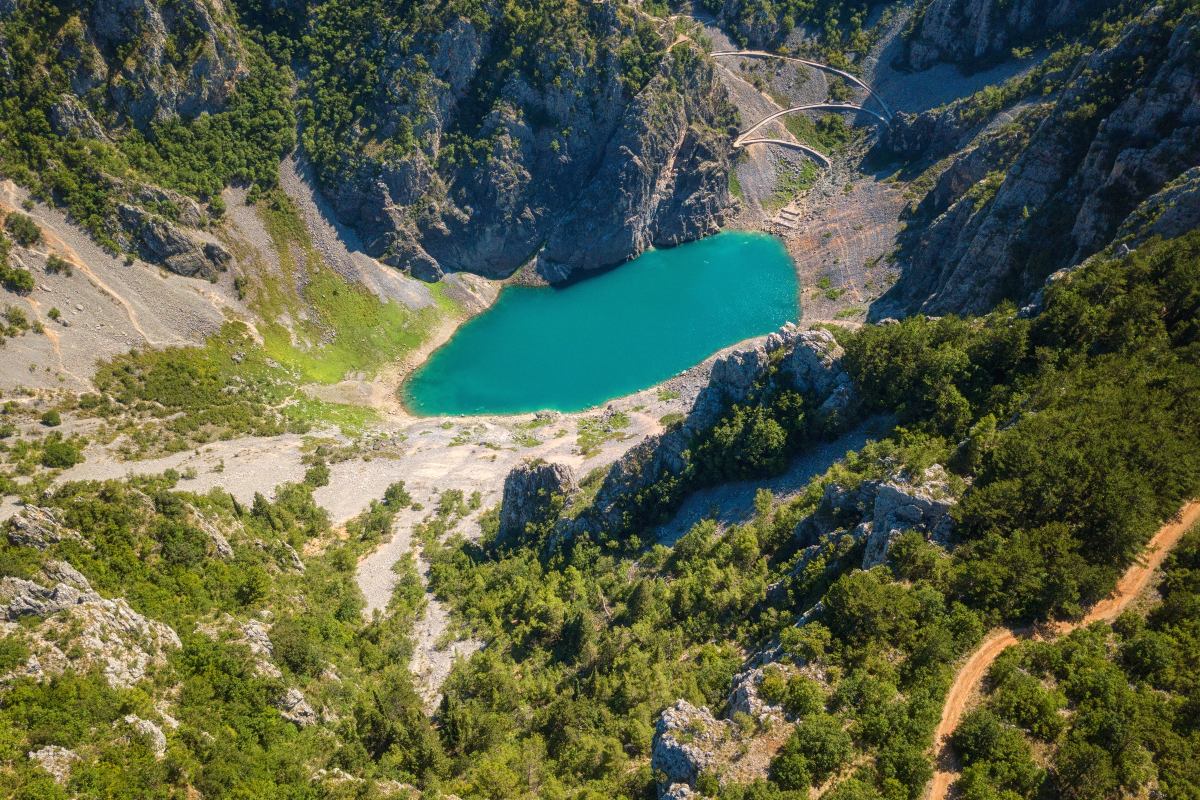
<point x="529" y="492"/>
<point x="1170" y="212"/>
<point x="762" y="28"/>
<point x="973" y="32"/>
<point x="106" y="632"/>
<point x="69" y="117"/>
<point x="1060" y="185"/>
<point x="295" y="708"/>
<point x="123" y="55"/>
<point x="687" y="740"/>
<point x="55" y="760"/>
<point x="161" y="242"/>
<point x="906" y="503"/>
<point x="40" y="528"/>
<point x="579" y="170"/>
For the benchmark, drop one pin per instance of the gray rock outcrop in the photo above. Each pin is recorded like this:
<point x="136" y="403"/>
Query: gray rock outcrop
<point x="905" y="503"/>
<point x="295" y="708"/>
<point x="40" y="528"/>
<point x="161" y="242"/>
<point x="687" y="741"/>
<point x="257" y="637"/>
<point x="745" y="697"/>
<point x="1172" y="211"/>
<point x="56" y="760"/>
<point x="150" y="732"/>
<point x="69" y="117"/>
<point x="530" y="492"/>
<point x="106" y="633"/>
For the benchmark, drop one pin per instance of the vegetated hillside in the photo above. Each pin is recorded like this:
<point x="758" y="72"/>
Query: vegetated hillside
<point x="1096" y="144"/>
<point x="461" y="136"/>
<point x="481" y="136"/>
<point x="135" y="115"/>
<point x="1106" y="711"/>
<point x="1036" y="456"/>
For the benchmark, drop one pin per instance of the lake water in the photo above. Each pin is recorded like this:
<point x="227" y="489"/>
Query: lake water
<point x="610" y="335"/>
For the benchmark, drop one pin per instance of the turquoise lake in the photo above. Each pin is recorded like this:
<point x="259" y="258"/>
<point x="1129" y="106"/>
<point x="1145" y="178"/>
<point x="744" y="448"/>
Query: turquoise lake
<point x="609" y="335"/>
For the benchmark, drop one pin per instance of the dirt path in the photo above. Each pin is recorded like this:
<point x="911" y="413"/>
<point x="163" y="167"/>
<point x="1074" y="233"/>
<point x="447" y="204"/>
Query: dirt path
<point x="970" y="676"/>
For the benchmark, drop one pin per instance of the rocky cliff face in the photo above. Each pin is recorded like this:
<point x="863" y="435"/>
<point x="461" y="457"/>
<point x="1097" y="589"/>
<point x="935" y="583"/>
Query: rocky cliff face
<point x="975" y="32"/>
<point x="112" y="71"/>
<point x="531" y="492"/>
<point x="1061" y="179"/>
<point x="808" y="361"/>
<point x="134" y="62"/>
<point x="574" y="158"/>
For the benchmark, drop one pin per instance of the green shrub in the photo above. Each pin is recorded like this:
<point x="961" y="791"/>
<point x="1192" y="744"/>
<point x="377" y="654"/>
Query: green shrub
<point x="296" y="646"/>
<point x="23" y="229"/>
<point x="16" y="279"/>
<point x="317" y="475"/>
<point x="13" y="653"/>
<point x="55" y="264"/>
<point x="59" y="453"/>
<point x="803" y="696"/>
<point x="51" y="418"/>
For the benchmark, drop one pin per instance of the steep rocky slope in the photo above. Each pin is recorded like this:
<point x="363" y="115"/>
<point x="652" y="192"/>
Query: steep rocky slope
<point x="975" y="32"/>
<point x="134" y="62"/>
<point x="572" y="137"/>
<point x="1051" y="168"/>
<point x="466" y="137"/>
<point x="107" y="105"/>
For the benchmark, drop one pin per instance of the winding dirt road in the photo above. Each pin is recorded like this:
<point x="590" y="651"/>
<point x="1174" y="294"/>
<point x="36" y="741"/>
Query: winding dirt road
<point x="970" y="675"/>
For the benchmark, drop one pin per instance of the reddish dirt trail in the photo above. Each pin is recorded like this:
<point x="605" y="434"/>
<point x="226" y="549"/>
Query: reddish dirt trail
<point x="970" y="675"/>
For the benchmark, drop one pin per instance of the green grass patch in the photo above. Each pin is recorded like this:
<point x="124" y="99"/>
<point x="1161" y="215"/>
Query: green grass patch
<point x="593" y="432"/>
<point x="336" y="327"/>
<point x="735" y="184"/>
<point x="792" y="181"/>
<point x="827" y="133"/>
